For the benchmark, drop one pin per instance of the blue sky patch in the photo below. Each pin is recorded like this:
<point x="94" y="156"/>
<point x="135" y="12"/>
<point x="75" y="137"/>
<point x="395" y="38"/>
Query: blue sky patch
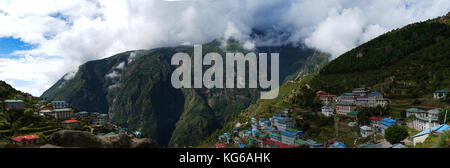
<point x="9" y="44"/>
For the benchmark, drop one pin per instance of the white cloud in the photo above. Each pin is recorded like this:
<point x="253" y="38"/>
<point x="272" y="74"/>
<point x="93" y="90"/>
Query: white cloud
<point x="68" y="33"/>
<point x="113" y="75"/>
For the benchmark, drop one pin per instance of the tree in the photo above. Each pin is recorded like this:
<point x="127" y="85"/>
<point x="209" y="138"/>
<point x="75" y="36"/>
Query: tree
<point x="28" y="112"/>
<point x="441" y="115"/>
<point x="395" y="133"/>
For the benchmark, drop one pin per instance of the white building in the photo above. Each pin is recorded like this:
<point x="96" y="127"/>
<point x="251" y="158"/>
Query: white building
<point x="422" y="136"/>
<point x="360" y="91"/>
<point x="440" y="94"/>
<point x="58" y="114"/>
<point x="365" y="131"/>
<point x="376" y="99"/>
<point x="59" y="104"/>
<point x="422" y="119"/>
<point x="344" y="108"/>
<point x="282" y="123"/>
<point x="327" y="111"/>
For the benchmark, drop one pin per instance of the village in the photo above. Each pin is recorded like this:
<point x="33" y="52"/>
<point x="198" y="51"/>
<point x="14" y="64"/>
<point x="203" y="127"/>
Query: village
<point x="278" y="131"/>
<point x="66" y="118"/>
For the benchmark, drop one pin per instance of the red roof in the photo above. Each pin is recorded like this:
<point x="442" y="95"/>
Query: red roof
<point x="26" y="137"/>
<point x="221" y="146"/>
<point x="325" y="95"/>
<point x="332" y="140"/>
<point x="275" y="144"/>
<point x="70" y="121"/>
<point x="375" y="118"/>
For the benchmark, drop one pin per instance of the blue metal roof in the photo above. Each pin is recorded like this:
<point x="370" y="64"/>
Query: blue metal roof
<point x="388" y="120"/>
<point x="279" y="118"/>
<point x="243" y="146"/>
<point x="337" y="144"/>
<point x="58" y="101"/>
<point x="288" y="133"/>
<point x="439" y="128"/>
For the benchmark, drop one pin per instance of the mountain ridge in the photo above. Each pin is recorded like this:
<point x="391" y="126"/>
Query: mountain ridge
<point x="138" y="93"/>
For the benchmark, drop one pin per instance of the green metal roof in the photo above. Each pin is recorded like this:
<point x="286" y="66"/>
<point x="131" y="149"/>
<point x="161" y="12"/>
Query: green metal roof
<point x="291" y="130"/>
<point x="300" y="142"/>
<point x="415" y="110"/>
<point x="13" y="101"/>
<point x="354" y="112"/>
<point x="441" y="91"/>
<point x="345" y="104"/>
<point x="426" y="119"/>
<point x="64" y="109"/>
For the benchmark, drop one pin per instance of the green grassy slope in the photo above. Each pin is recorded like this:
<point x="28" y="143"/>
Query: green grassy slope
<point x="407" y="64"/>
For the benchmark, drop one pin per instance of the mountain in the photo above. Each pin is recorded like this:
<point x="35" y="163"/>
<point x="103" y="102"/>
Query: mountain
<point x="406" y="64"/>
<point x="134" y="88"/>
<point x="7" y="91"/>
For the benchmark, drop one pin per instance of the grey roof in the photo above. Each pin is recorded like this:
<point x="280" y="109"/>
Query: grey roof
<point x="433" y="111"/>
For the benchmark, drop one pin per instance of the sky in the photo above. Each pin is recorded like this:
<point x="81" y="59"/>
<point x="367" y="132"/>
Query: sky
<point x="41" y="41"/>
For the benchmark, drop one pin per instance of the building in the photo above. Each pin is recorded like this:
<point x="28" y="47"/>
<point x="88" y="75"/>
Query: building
<point x="440" y="94"/>
<point x="353" y="114"/>
<point x="360" y="92"/>
<point x="365" y="131"/>
<point x="300" y="142"/>
<point x="376" y="99"/>
<point x="83" y="115"/>
<point x="375" y="123"/>
<point x="422" y="136"/>
<point x="58" y="114"/>
<point x="103" y="119"/>
<point x="422" y="119"/>
<point x="348" y="98"/>
<point x="326" y="98"/>
<point x="327" y="111"/>
<point x="14" y="105"/>
<point x="336" y="143"/>
<point x="313" y="144"/>
<point x="59" y="105"/>
<point x="25" y="140"/>
<point x="275" y="137"/>
<point x="70" y="124"/>
<point x="62" y="114"/>
<point x="385" y="123"/>
<point x="344" y="108"/>
<point x="362" y="101"/>
<point x="282" y="123"/>
<point x="289" y="136"/>
<point x="46" y="113"/>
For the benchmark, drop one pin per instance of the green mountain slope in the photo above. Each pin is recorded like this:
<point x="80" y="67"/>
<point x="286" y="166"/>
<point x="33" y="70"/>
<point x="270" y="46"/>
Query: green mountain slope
<point x="135" y="89"/>
<point x="407" y="64"/>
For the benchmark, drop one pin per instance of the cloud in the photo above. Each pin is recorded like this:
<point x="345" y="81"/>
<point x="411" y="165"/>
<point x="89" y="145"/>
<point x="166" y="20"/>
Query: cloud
<point x="67" y="34"/>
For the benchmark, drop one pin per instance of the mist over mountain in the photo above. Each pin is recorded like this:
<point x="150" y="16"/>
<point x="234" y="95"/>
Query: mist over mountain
<point x="68" y="34"/>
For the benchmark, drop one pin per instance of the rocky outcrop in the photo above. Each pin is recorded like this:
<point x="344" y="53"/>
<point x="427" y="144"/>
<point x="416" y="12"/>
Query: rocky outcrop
<point x="69" y="138"/>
